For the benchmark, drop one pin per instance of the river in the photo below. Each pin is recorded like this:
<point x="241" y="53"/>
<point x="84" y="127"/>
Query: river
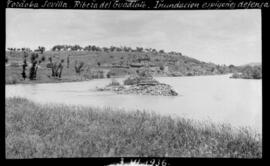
<point x="215" y="98"/>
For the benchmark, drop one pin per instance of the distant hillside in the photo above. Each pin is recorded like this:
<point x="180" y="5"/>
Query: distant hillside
<point x="126" y="60"/>
<point x="101" y="62"/>
<point x="249" y="71"/>
<point x="253" y="64"/>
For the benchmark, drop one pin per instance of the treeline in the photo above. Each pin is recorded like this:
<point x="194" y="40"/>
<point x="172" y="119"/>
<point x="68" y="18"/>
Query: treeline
<point x="94" y="48"/>
<point x="249" y="72"/>
<point x="40" y="49"/>
<point x="108" y="49"/>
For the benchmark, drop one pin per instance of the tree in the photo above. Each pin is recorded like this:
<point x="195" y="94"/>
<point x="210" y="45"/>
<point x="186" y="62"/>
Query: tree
<point x="105" y="49"/>
<point x="161" y="51"/>
<point x="68" y="61"/>
<point x="33" y="69"/>
<point x="57" y="48"/>
<point x="127" y="49"/>
<point x="98" y="49"/>
<point x="79" y="67"/>
<point x="118" y="49"/>
<point x="88" y="48"/>
<point x="24" y="67"/>
<point x="257" y="72"/>
<point x="112" y="48"/>
<point x="41" y="49"/>
<point x="59" y="68"/>
<point x="154" y="51"/>
<point x="139" y="49"/>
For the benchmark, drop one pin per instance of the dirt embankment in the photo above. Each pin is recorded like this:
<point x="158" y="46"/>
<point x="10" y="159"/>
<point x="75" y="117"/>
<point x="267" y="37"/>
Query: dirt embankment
<point x="140" y="85"/>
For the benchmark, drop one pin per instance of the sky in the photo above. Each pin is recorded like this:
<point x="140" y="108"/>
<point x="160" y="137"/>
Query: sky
<point x="218" y="36"/>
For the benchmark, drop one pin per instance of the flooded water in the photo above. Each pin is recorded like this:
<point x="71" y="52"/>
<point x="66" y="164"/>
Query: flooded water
<point x="215" y="98"/>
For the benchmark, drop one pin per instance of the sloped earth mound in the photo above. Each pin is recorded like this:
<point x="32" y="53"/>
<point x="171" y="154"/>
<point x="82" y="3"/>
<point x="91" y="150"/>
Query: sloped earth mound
<point x="155" y="90"/>
<point x="141" y="86"/>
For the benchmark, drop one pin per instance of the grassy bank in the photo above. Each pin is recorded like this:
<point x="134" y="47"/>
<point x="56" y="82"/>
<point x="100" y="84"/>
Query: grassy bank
<point x="37" y="131"/>
<point x="111" y="64"/>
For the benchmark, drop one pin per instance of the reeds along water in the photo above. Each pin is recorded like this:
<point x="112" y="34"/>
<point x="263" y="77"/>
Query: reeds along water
<point x="40" y="131"/>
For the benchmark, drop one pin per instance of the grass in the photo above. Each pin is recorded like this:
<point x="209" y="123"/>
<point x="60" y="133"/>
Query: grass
<point x="51" y="131"/>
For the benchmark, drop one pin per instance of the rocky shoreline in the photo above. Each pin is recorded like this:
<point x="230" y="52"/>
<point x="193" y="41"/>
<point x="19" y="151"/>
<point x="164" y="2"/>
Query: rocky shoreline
<point x="142" y="86"/>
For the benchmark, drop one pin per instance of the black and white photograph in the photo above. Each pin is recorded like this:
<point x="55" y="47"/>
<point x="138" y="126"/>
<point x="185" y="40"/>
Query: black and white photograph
<point x="133" y="83"/>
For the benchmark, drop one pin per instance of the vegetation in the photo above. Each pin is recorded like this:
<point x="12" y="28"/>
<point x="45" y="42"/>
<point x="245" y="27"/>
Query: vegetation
<point x="34" y="65"/>
<point x="41" y="49"/>
<point x="57" y="68"/>
<point x="249" y="72"/>
<point x="49" y="131"/>
<point x="107" y="61"/>
<point x="68" y="61"/>
<point x="78" y="67"/>
<point x="114" y="83"/>
<point x="24" y="67"/>
<point x="11" y="80"/>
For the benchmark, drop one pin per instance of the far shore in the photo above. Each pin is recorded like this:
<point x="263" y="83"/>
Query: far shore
<point x="49" y="81"/>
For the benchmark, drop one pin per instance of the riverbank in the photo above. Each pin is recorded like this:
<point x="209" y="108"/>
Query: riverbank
<point x="37" y="131"/>
<point x="105" y="65"/>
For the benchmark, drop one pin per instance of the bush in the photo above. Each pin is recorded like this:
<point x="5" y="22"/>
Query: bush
<point x="132" y="80"/>
<point x="249" y="73"/>
<point x="11" y="80"/>
<point x="94" y="74"/>
<point x="79" y="67"/>
<point x="49" y="65"/>
<point x="43" y="58"/>
<point x="114" y="83"/>
<point x="236" y="75"/>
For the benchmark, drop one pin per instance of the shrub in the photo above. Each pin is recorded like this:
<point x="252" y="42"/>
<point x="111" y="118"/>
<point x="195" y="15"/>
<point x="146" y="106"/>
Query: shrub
<point x="98" y="74"/>
<point x="79" y="67"/>
<point x="49" y="65"/>
<point x="114" y="83"/>
<point x="43" y="58"/>
<point x="249" y="73"/>
<point x="189" y="74"/>
<point x="11" y="80"/>
<point x="132" y="80"/>
<point x="236" y="75"/>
